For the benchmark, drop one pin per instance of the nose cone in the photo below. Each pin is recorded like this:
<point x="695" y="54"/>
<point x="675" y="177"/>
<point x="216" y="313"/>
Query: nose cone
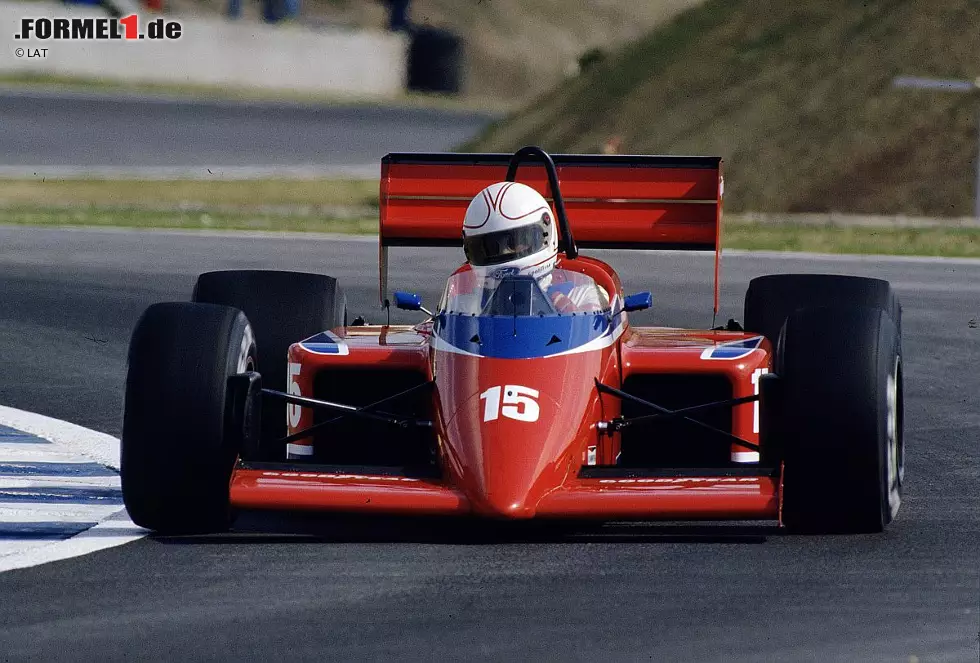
<point x="506" y="504"/>
<point x="505" y="466"/>
<point x="516" y="429"/>
<point x="517" y="469"/>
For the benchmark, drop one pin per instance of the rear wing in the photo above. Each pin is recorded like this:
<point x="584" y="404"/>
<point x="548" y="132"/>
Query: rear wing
<point x="612" y="201"/>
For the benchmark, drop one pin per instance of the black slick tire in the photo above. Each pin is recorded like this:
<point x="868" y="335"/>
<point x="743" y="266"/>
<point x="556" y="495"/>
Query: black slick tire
<point x="771" y="299"/>
<point x="283" y="308"/>
<point x="841" y="419"/>
<point x="176" y="459"/>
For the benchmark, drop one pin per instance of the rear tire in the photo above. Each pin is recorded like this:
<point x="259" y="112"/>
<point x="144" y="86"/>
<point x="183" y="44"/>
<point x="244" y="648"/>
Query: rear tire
<point x="841" y="419"/>
<point x="176" y="458"/>
<point x="283" y="308"/>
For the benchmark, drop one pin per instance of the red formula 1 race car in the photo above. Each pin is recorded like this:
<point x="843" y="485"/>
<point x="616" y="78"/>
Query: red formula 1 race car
<point x="260" y="395"/>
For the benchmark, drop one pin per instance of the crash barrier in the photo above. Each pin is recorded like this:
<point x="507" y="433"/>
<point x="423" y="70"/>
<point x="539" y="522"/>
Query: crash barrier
<point x="435" y="61"/>
<point x="215" y="51"/>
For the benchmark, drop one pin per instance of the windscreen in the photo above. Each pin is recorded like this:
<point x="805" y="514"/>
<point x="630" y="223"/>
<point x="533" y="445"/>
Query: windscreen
<point x="562" y="292"/>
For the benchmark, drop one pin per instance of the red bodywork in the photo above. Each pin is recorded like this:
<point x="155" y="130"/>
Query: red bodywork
<point x="517" y="469"/>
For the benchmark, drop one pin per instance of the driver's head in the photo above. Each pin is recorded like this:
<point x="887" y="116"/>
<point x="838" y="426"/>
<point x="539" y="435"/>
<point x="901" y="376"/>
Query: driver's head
<point x="509" y="229"/>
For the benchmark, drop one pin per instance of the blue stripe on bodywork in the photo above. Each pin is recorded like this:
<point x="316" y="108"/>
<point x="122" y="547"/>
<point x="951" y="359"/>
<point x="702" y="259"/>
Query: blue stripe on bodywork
<point x="522" y="337"/>
<point x="322" y="348"/>
<point x="43" y="531"/>
<point x="733" y="349"/>
<point x="22" y="469"/>
<point x="324" y="343"/>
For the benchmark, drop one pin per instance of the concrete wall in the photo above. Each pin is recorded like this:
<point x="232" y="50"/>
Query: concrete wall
<point x="216" y="52"/>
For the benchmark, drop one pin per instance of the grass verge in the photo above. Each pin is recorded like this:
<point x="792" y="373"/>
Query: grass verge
<point x="796" y="96"/>
<point x="351" y="206"/>
<point x="185" y="220"/>
<point x="935" y="241"/>
<point x="49" y="82"/>
<point x="143" y="194"/>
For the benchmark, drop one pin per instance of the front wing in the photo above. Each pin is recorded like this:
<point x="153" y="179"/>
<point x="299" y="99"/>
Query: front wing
<point x="598" y="495"/>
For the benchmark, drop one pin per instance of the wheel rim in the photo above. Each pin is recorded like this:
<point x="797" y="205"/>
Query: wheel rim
<point x="246" y="362"/>
<point x="895" y="451"/>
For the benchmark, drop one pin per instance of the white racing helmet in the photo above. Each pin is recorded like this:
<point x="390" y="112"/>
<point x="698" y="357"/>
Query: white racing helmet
<point x="509" y="229"/>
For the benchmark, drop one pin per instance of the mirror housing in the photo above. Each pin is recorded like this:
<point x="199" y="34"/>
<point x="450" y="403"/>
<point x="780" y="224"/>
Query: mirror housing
<point x="638" y="302"/>
<point x="408" y="301"/>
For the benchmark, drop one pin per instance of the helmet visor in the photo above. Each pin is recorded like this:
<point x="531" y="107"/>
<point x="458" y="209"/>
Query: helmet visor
<point x="504" y="246"/>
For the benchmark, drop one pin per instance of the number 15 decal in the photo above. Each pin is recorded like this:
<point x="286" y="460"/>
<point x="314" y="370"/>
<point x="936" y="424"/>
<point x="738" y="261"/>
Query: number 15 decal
<point x="519" y="403"/>
<point x="294" y="412"/>
<point x="756" y="376"/>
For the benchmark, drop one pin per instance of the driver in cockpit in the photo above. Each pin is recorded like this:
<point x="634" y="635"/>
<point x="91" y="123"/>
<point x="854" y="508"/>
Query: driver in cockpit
<point x="509" y="230"/>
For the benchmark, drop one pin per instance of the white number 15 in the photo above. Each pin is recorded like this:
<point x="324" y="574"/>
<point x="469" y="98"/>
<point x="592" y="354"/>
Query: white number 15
<point x="519" y="403"/>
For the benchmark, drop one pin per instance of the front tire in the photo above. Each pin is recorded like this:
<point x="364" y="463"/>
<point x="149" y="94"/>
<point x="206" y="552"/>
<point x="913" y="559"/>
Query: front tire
<point x="176" y="458"/>
<point x="841" y="419"/>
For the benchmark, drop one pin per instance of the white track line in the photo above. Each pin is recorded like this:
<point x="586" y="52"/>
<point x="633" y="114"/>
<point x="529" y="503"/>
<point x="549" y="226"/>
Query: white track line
<point x="847" y="257"/>
<point x="113" y="531"/>
<point x="795" y="256"/>
<point x="71" y="447"/>
<point x="73" y="439"/>
<point x="29" y="512"/>
<point x="307" y="237"/>
<point x="30" y="453"/>
<point x="58" y="482"/>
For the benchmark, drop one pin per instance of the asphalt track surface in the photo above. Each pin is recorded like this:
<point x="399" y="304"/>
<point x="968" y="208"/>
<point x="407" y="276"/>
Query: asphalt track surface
<point x="325" y="589"/>
<point x="84" y="130"/>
